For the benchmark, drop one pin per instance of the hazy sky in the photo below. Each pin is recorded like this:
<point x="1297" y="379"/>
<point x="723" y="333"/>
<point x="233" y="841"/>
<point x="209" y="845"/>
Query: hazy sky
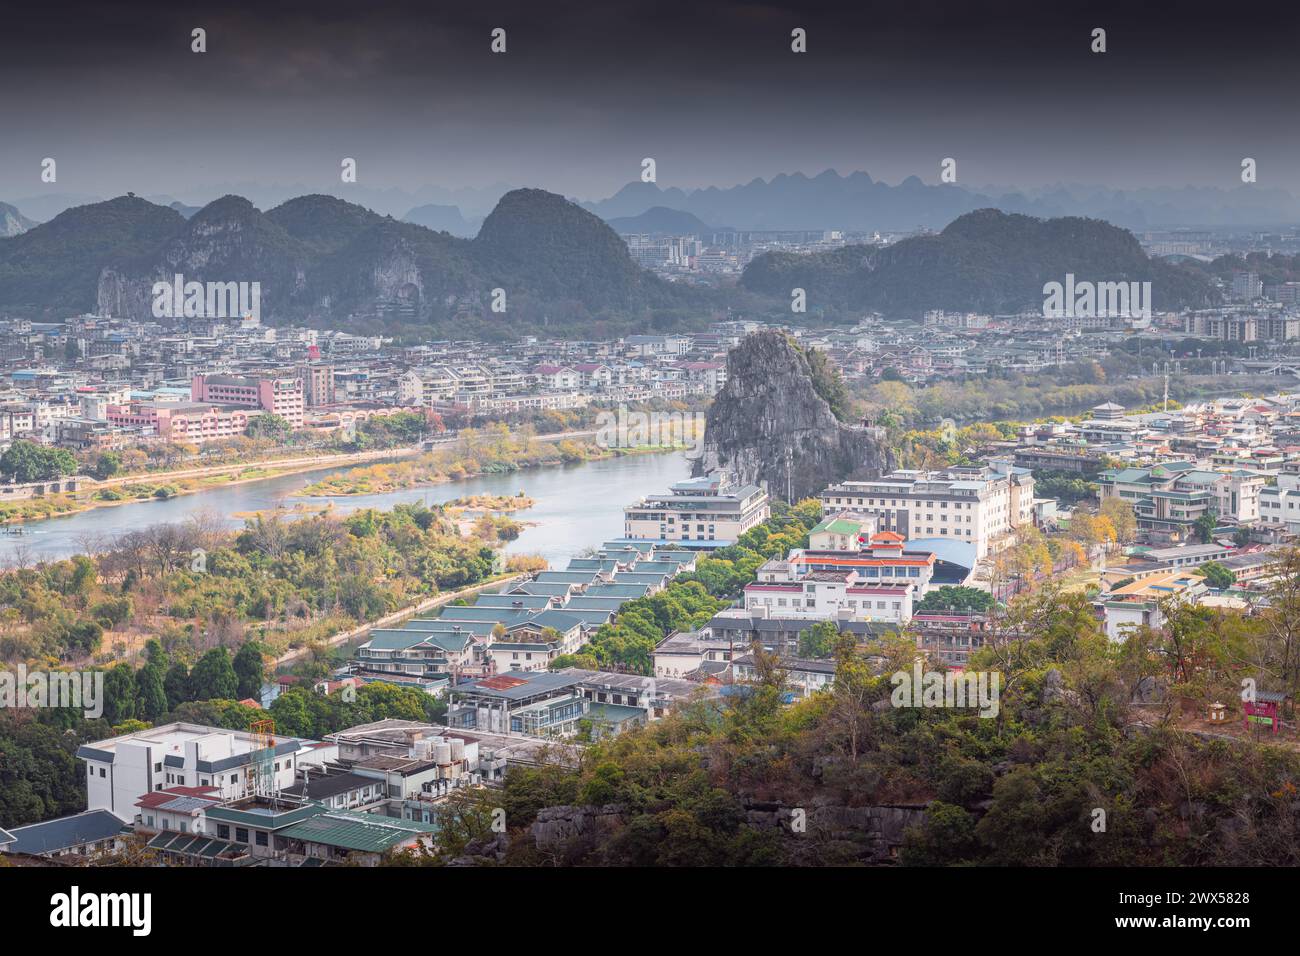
<point x="711" y="91"/>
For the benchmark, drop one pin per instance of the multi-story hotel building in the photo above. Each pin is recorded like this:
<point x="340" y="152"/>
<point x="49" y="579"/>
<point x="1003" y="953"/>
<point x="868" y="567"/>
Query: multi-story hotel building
<point x="977" y="505"/>
<point x="876" y="581"/>
<point x="1170" y="497"/>
<point x="317" y="383"/>
<point x="699" y="512"/>
<point x="279" y="396"/>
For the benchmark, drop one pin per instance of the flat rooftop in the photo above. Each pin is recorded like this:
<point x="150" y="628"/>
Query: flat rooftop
<point x="173" y="738"/>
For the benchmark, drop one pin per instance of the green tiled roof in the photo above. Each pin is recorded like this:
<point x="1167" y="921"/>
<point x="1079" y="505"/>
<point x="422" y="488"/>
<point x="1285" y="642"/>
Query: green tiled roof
<point x="366" y="832"/>
<point x="838" y="526"/>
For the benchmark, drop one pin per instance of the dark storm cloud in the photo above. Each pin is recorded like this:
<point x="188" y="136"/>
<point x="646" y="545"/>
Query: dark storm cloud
<point x="585" y="91"/>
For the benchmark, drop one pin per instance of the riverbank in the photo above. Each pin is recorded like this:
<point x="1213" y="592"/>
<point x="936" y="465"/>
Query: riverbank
<point x="475" y="454"/>
<point x="576" y="506"/>
<point x="130" y="489"/>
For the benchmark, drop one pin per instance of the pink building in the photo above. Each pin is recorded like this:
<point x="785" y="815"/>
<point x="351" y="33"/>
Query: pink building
<point x="194" y="422"/>
<point x="279" y="396"/>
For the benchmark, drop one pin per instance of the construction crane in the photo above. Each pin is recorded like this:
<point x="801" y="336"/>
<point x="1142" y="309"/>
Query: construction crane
<point x="260" y="774"/>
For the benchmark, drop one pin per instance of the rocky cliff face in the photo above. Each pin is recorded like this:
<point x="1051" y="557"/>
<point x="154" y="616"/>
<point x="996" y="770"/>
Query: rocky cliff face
<point x="869" y="835"/>
<point x="768" y="426"/>
<point x="12" y="222"/>
<point x="227" y="241"/>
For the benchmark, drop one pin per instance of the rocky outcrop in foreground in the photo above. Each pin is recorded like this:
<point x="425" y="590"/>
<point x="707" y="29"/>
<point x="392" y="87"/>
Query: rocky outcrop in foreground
<point x="873" y="833"/>
<point x="769" y="427"/>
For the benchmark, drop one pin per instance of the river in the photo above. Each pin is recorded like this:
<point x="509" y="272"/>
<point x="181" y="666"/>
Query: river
<point x="577" y="506"/>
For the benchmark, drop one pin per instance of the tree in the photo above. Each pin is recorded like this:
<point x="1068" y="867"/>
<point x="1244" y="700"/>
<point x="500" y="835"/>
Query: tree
<point x="107" y="465"/>
<point x="1205" y="526"/>
<point x="27" y="461"/>
<point x="120" y="696"/>
<point x="819" y="640"/>
<point x="176" y="684"/>
<point x="852" y="692"/>
<point x="1120" y="513"/>
<point x="249" y="670"/>
<point x="150" y="692"/>
<point x="1283" y="619"/>
<point x="214" y="677"/>
<point x="955" y="598"/>
<point x="945" y="837"/>
<point x="1217" y="576"/>
<point x="273" y="427"/>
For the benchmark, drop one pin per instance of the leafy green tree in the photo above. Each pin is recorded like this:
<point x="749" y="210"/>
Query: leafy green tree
<point x="1217" y="576"/>
<point x="946" y="836"/>
<point x="819" y="641"/>
<point x="176" y="684"/>
<point x="248" y="668"/>
<point x="272" y="427"/>
<point x="81" y="638"/>
<point x="121" y="700"/>
<point x="214" y="677"/>
<point x="955" y="598"/>
<point x="150" y="692"/>
<point x="1205" y="525"/>
<point x="107" y="465"/>
<point x="27" y="461"/>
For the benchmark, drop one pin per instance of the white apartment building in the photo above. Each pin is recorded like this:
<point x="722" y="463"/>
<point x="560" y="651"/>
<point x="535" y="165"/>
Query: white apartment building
<point x="875" y="581"/>
<point x="704" y="509"/>
<point x="410" y="389"/>
<point x="832" y="596"/>
<point x="1279" y="504"/>
<point x="120" y="770"/>
<point x="977" y="506"/>
<point x="94" y="405"/>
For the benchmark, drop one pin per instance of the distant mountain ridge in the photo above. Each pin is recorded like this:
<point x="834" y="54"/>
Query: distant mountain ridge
<point x="987" y="261"/>
<point x="56" y="265"/>
<point x="323" y="261"/>
<point x="442" y="218"/>
<point x="858" y="203"/>
<point x="319" y="259"/>
<point x="660" y="220"/>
